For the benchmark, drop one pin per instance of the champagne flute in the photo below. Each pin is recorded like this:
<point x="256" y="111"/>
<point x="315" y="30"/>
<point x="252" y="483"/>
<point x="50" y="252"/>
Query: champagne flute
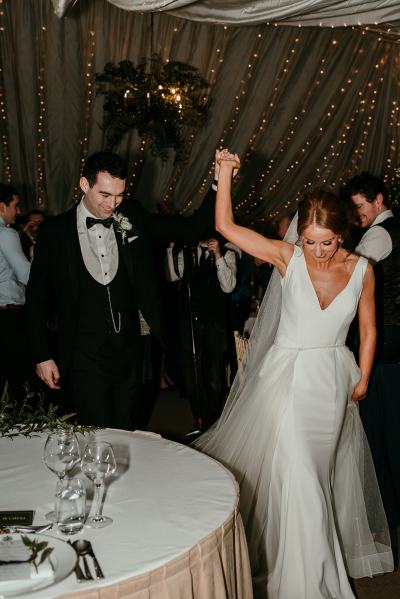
<point x="61" y="453"/>
<point x="98" y="462"/>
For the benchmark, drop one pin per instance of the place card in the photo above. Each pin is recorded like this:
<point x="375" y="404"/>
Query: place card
<point x="16" y="517"/>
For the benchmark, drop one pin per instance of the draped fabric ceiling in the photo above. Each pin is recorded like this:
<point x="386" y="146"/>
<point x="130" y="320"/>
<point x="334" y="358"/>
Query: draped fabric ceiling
<point x="256" y="12"/>
<point x="303" y="106"/>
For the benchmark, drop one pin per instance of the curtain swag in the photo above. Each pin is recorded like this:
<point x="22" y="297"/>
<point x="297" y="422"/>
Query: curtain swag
<point x="302" y="106"/>
<point x="254" y="12"/>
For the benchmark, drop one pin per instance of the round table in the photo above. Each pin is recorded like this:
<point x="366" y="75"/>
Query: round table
<point x="176" y="533"/>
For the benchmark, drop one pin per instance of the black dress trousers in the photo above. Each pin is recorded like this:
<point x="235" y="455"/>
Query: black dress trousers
<point x="105" y="380"/>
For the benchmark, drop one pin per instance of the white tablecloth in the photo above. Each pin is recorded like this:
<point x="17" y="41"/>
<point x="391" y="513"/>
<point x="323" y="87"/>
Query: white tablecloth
<point x="165" y="500"/>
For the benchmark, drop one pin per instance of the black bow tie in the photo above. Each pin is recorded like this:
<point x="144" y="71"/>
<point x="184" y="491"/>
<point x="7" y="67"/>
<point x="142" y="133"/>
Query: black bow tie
<point x="106" y="222"/>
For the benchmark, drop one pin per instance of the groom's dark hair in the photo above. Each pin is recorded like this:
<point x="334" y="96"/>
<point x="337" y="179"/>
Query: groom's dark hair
<point x="104" y="162"/>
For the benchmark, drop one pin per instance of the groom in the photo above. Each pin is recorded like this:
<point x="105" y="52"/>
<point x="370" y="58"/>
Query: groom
<point x="93" y="272"/>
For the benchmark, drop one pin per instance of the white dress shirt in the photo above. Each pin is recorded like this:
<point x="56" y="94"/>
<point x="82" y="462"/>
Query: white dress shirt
<point x="99" y="249"/>
<point x="98" y="246"/>
<point x="226" y="268"/>
<point x="376" y="243"/>
<point x="14" y="267"/>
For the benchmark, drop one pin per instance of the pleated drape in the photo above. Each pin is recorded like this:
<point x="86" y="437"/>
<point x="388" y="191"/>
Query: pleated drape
<point x="303" y="106"/>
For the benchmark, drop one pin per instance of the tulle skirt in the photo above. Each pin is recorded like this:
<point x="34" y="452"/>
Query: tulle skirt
<point x="309" y="497"/>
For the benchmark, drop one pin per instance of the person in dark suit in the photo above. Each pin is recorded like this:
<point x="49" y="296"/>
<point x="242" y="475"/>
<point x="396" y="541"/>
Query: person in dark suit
<point x="93" y="269"/>
<point x="206" y="276"/>
<point x="380" y="412"/>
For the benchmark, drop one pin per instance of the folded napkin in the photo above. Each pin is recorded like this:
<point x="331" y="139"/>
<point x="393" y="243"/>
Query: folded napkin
<point x="13" y="550"/>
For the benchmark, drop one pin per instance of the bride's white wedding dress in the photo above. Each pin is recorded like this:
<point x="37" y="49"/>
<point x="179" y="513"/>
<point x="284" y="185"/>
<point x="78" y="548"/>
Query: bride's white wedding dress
<point x="294" y="440"/>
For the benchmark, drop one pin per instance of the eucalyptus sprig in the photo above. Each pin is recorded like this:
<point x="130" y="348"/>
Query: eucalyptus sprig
<point x="30" y="417"/>
<point x="39" y="550"/>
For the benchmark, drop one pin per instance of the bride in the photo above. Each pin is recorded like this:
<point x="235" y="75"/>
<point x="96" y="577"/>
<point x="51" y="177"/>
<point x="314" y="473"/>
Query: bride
<point x="290" y="430"/>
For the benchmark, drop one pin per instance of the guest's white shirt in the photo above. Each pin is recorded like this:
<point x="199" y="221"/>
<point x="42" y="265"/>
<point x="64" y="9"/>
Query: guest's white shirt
<point x="376" y="243"/>
<point x="226" y="268"/>
<point x="98" y="246"/>
<point x="14" y="267"/>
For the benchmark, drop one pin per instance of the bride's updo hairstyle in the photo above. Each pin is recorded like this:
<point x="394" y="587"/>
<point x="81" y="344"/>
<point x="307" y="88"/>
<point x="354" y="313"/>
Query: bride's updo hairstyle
<point x="324" y="209"/>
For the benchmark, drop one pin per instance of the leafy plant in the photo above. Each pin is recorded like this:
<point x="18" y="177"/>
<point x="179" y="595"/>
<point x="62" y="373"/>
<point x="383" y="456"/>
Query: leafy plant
<point x="31" y="416"/>
<point x="39" y="550"/>
<point x="161" y="102"/>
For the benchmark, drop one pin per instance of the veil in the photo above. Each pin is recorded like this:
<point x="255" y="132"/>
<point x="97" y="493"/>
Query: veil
<point x="245" y="444"/>
<point x="261" y="339"/>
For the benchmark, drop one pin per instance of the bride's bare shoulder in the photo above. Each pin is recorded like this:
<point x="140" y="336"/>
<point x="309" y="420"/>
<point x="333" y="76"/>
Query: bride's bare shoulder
<point x="349" y="261"/>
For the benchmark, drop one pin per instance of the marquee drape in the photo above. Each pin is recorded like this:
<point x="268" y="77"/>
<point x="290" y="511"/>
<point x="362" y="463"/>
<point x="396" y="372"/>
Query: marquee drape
<point x="303" y="106"/>
<point x="253" y="12"/>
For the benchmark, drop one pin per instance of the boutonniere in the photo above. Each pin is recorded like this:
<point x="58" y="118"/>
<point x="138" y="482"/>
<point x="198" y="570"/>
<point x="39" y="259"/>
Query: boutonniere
<point x="122" y="225"/>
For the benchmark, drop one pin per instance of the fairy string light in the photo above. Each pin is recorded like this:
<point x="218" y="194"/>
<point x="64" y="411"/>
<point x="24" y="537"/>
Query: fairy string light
<point x="351" y="138"/>
<point x="5" y="153"/>
<point x="266" y="117"/>
<point x="391" y="176"/>
<point x="211" y="76"/>
<point x="41" y="191"/>
<point x="89" y="90"/>
<point x="364" y="111"/>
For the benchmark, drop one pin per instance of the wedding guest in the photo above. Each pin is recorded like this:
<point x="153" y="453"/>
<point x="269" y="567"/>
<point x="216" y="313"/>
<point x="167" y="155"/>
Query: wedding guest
<point x="242" y="295"/>
<point x="95" y="264"/>
<point x="30" y="229"/>
<point x="14" y="273"/>
<point x="209" y="272"/>
<point x="381" y="413"/>
<point x="381" y="245"/>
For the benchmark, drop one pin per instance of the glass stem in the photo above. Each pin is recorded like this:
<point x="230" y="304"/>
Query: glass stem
<point x="57" y="499"/>
<point x="97" y="500"/>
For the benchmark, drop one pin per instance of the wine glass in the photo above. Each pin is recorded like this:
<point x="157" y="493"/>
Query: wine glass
<point x="98" y="462"/>
<point x="61" y="453"/>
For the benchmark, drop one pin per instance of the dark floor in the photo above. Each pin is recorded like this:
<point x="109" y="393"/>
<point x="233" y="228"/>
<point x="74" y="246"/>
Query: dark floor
<point x="172" y="417"/>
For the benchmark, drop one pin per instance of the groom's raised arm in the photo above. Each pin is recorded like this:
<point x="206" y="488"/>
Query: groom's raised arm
<point x="172" y="228"/>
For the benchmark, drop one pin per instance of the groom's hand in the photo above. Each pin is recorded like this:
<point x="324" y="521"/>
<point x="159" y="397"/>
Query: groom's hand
<point x="48" y="372"/>
<point x="223" y="155"/>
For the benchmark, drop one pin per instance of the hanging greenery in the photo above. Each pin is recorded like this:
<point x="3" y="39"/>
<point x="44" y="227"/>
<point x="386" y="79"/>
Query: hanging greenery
<point x="162" y="103"/>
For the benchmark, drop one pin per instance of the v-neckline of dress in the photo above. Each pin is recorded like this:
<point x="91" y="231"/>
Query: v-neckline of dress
<point x="337" y="295"/>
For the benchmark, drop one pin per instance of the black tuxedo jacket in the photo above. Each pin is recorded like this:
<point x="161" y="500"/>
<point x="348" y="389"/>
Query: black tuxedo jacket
<point x="53" y="286"/>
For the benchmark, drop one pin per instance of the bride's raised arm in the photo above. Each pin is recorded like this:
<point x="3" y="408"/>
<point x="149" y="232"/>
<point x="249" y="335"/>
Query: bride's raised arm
<point x="274" y="251"/>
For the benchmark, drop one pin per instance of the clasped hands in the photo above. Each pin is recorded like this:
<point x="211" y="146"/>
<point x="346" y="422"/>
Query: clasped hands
<point x="224" y="159"/>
